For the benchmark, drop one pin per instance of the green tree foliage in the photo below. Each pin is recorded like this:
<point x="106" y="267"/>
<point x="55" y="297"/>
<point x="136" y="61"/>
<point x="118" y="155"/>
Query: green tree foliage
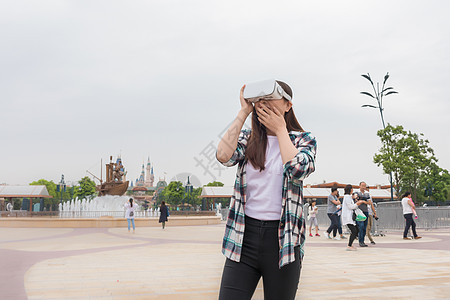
<point x="215" y="183"/>
<point x="172" y="194"/>
<point x="436" y="183"/>
<point x="411" y="160"/>
<point x="194" y="198"/>
<point x="52" y="191"/>
<point x="50" y="185"/>
<point x="86" y="190"/>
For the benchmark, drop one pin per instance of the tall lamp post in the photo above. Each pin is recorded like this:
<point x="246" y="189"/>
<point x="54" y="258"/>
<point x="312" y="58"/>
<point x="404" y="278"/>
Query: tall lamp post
<point x="61" y="187"/>
<point x="188" y="189"/>
<point x="378" y="96"/>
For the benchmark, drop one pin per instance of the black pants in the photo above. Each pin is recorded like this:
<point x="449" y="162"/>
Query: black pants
<point x="334" y="223"/>
<point x="354" y="230"/>
<point x="259" y="257"/>
<point x="409" y="223"/>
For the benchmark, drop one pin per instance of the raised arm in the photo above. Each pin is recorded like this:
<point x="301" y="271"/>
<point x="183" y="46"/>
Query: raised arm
<point x="229" y="141"/>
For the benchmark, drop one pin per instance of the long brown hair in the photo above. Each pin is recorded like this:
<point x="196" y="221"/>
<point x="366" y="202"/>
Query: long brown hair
<point x="257" y="143"/>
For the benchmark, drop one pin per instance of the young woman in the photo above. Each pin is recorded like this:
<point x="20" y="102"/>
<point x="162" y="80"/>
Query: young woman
<point x="129" y="214"/>
<point x="348" y="207"/>
<point x="265" y="230"/>
<point x="312" y="215"/>
<point x="164" y="213"/>
<point x="408" y="206"/>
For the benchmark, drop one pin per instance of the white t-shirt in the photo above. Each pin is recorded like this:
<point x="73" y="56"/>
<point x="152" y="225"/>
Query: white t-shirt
<point x="348" y="206"/>
<point x="130" y="209"/>
<point x="264" y="189"/>
<point x="406" y="207"/>
<point x="312" y="211"/>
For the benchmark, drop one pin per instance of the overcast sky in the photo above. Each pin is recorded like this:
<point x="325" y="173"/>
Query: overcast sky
<point x="82" y="80"/>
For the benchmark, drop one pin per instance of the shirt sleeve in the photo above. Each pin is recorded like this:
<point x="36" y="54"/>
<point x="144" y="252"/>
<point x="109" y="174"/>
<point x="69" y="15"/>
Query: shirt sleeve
<point x="239" y="152"/>
<point x="303" y="163"/>
<point x="350" y="204"/>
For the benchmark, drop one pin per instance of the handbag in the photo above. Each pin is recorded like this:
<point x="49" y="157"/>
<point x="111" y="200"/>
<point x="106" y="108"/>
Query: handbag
<point x="360" y="216"/>
<point x="131" y="213"/>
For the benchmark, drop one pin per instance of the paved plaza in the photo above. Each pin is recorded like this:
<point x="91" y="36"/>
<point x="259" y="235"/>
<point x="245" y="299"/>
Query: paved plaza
<point x="185" y="262"/>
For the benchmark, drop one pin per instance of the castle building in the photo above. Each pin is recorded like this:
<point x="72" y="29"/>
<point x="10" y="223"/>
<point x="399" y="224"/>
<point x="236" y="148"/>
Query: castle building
<point x="146" y="178"/>
<point x="144" y="189"/>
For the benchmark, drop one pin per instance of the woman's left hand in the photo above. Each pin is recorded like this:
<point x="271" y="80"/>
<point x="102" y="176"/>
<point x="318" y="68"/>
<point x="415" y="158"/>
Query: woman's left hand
<point x="271" y="117"/>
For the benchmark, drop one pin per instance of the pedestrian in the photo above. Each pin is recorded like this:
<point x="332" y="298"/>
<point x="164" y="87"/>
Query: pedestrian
<point x="312" y="217"/>
<point x="407" y="206"/>
<point x="9" y="206"/>
<point x="339" y="213"/>
<point x="130" y="213"/>
<point x="348" y="208"/>
<point x="370" y="218"/>
<point x="364" y="197"/>
<point x="265" y="230"/>
<point x="332" y="203"/>
<point x="164" y="214"/>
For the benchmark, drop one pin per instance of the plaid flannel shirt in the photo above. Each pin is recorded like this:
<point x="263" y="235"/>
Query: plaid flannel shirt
<point x="291" y="231"/>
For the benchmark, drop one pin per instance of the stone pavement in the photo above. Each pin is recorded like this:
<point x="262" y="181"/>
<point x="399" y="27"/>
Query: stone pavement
<point x="185" y="262"/>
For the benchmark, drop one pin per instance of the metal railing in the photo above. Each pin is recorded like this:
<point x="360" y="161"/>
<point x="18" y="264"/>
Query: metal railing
<point x="391" y="217"/>
<point x="97" y="214"/>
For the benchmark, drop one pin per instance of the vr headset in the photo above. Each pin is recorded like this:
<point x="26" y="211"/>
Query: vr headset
<point x="264" y="90"/>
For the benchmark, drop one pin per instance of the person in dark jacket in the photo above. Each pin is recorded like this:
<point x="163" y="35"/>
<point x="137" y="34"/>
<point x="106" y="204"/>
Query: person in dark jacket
<point x="164" y="213"/>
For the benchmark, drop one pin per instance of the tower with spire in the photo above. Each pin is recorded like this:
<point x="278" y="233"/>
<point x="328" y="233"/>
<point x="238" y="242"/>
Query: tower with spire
<point x="141" y="180"/>
<point x="149" y="177"/>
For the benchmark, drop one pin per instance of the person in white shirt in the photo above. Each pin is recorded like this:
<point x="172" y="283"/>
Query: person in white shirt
<point x="348" y="207"/>
<point x="129" y="214"/>
<point x="407" y="206"/>
<point x="312" y="217"/>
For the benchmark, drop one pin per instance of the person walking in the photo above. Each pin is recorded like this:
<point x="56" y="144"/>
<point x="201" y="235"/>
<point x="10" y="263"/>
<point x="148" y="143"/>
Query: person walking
<point x="164" y="214"/>
<point x="339" y="214"/>
<point x="332" y="203"/>
<point x="130" y="212"/>
<point x="362" y="225"/>
<point x="265" y="230"/>
<point x="407" y="206"/>
<point x="372" y="214"/>
<point x="312" y="217"/>
<point x="348" y="207"/>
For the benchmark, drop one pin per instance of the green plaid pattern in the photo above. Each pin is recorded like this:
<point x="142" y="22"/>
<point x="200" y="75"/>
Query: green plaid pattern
<point x="291" y="232"/>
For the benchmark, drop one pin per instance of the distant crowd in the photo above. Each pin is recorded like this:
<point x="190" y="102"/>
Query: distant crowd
<point x="356" y="210"/>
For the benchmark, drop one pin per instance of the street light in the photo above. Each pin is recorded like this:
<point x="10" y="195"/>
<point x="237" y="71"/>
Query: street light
<point x="378" y="96"/>
<point x="188" y="189"/>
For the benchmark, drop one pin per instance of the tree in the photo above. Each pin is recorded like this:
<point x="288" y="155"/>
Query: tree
<point x="420" y="160"/>
<point x="86" y="189"/>
<point x="51" y="188"/>
<point x="215" y="183"/>
<point x="195" y="196"/>
<point x="50" y="185"/>
<point x="173" y="193"/>
<point x="435" y="184"/>
<point x="410" y="159"/>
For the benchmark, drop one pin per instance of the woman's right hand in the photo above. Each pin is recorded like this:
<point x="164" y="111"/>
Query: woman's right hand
<point x="246" y="106"/>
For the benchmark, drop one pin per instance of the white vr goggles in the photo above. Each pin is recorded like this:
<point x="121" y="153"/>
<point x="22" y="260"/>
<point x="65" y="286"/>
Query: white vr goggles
<point x="264" y="90"/>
